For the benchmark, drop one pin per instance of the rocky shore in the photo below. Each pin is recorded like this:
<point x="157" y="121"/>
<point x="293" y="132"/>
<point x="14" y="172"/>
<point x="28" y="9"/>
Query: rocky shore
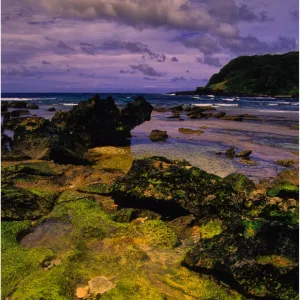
<point x="83" y="219"/>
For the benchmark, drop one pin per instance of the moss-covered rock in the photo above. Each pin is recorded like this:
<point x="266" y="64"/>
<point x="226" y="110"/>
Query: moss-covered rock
<point x="174" y="188"/>
<point x="95" y="188"/>
<point x="258" y="258"/>
<point x="239" y="182"/>
<point x="284" y="190"/>
<point x="22" y="204"/>
<point x="125" y="215"/>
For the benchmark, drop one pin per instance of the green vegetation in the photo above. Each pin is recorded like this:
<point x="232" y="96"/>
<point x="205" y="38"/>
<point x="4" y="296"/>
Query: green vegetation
<point x="259" y="74"/>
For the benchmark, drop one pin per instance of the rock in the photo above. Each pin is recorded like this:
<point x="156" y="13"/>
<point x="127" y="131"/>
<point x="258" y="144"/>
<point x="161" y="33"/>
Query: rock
<point x="17" y="104"/>
<point x="285" y="163"/>
<point x="173" y="189"/>
<point x="4" y="106"/>
<point x="125" y="215"/>
<point x="239" y="182"/>
<point x="180" y="119"/>
<point x="158" y="135"/>
<point x="32" y="106"/>
<point x="5" y="117"/>
<point x="174" y="116"/>
<point x="51" y="109"/>
<point x="81" y="293"/>
<point x="12" y="124"/>
<point x="257" y="257"/>
<point x="219" y="114"/>
<point x="19" y="112"/>
<point x="22" y="204"/>
<point x="177" y="108"/>
<point x="100" y="122"/>
<point x="230" y="152"/>
<point x="95" y="188"/>
<point x="5" y="143"/>
<point x="160" y="109"/>
<point x="189" y="242"/>
<point x="189" y="131"/>
<point x="100" y="285"/>
<point x="232" y="118"/>
<point x="245" y="153"/>
<point x="38" y="138"/>
<point x="196" y="115"/>
<point x="180" y="225"/>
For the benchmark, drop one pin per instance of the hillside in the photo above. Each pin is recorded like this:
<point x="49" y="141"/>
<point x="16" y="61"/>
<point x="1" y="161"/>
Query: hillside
<point x="259" y="74"/>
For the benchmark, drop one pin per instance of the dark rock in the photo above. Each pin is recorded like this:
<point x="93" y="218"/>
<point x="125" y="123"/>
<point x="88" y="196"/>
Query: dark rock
<point x="232" y="118"/>
<point x="32" y="106"/>
<point x="125" y="215"/>
<point x="285" y="163"/>
<point x="180" y="119"/>
<point x="100" y="122"/>
<point x="230" y="152"/>
<point x="219" y="153"/>
<point x="178" y="108"/>
<point x="4" y="106"/>
<point x="196" y="116"/>
<point x="160" y="109"/>
<point x="19" y="112"/>
<point x="256" y="257"/>
<point x="245" y="153"/>
<point x="239" y="182"/>
<point x="51" y="109"/>
<point x="190" y="131"/>
<point x="174" y="116"/>
<point x="181" y="224"/>
<point x="173" y="188"/>
<point x="5" y="117"/>
<point x="158" y="135"/>
<point x="40" y="139"/>
<point x="21" y="204"/>
<point x="12" y="124"/>
<point x="5" y="143"/>
<point x="18" y="104"/>
<point x="219" y="114"/>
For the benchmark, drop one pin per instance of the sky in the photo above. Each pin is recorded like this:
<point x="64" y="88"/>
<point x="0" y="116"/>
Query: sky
<point x="149" y="46"/>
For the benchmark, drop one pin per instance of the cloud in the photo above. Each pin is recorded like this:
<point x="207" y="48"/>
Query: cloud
<point x="176" y="79"/>
<point x="204" y="43"/>
<point x="147" y="70"/>
<point x="245" y="13"/>
<point x="209" y="60"/>
<point x="126" y="72"/>
<point x="64" y="46"/>
<point x="45" y="62"/>
<point x="179" y="14"/>
<point x="252" y="45"/>
<point x="147" y="78"/>
<point x="18" y="72"/>
<point x="174" y="59"/>
<point x="88" y="48"/>
<point x="134" y="47"/>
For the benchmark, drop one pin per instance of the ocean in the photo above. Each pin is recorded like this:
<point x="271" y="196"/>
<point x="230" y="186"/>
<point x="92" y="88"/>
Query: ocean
<point x="272" y="136"/>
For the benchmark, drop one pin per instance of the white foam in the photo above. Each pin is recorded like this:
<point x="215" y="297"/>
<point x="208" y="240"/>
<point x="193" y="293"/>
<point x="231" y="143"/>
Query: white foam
<point x="218" y="105"/>
<point x="171" y="94"/>
<point x="211" y="96"/>
<point x="272" y="104"/>
<point x="205" y="104"/>
<point x="228" y="99"/>
<point x="25" y="99"/>
<point x="70" y="104"/>
<point x="196" y="97"/>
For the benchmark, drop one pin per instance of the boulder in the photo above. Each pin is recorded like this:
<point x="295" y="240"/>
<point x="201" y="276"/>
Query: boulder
<point x="32" y="106"/>
<point x="100" y="122"/>
<point x="219" y="114"/>
<point x="230" y="152"/>
<point x="258" y="258"/>
<point x="158" y="135"/>
<point x="245" y="153"/>
<point x="190" y="131"/>
<point x="285" y="163"/>
<point x="51" y="109"/>
<point x="232" y="118"/>
<point x="4" y="106"/>
<point x="173" y="189"/>
<point x="22" y="204"/>
<point x="125" y="215"/>
<point x="38" y="138"/>
<point x="19" y="112"/>
<point x="17" y="104"/>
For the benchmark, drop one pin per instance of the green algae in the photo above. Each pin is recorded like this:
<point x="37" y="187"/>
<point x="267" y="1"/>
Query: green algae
<point x="284" y="189"/>
<point x="251" y="227"/>
<point x="95" y="188"/>
<point x="275" y="260"/>
<point x="70" y="195"/>
<point x="16" y="261"/>
<point x="211" y="229"/>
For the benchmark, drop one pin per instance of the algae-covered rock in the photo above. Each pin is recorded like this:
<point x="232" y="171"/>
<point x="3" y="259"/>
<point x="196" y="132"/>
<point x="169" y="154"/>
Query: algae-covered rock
<point x="263" y="263"/>
<point x="174" y="188"/>
<point x="40" y="139"/>
<point x="100" y="122"/>
<point x="95" y="188"/>
<point x="285" y="163"/>
<point x="125" y="215"/>
<point x="158" y="135"/>
<point x="239" y="182"/>
<point x="22" y="204"/>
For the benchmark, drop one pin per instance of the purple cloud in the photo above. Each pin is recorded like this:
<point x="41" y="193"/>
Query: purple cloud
<point x="147" y="70"/>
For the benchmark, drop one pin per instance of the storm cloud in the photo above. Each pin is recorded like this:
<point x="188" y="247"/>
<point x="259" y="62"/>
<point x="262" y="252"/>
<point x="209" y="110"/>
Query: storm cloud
<point x="147" y="70"/>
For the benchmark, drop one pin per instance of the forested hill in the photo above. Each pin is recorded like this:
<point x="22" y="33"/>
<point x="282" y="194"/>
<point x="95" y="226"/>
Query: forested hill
<point x="259" y="74"/>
